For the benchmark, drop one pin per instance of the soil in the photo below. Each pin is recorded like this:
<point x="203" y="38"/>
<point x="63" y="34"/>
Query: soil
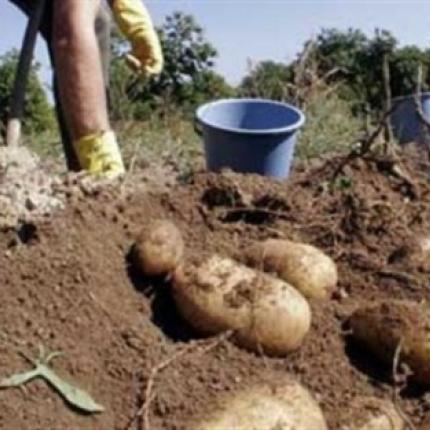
<point x="67" y="284"/>
<point x="27" y="191"/>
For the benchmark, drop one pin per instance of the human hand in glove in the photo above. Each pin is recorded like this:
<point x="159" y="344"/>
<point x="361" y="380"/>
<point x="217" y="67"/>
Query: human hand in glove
<point x="133" y="20"/>
<point x="99" y="154"/>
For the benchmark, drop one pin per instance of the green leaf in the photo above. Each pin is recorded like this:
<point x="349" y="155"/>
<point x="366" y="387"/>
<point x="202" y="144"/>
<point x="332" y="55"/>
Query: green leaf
<point x="75" y="396"/>
<point x="18" y="379"/>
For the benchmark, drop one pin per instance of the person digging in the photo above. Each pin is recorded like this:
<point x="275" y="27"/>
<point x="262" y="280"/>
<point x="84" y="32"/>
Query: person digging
<point x="77" y="33"/>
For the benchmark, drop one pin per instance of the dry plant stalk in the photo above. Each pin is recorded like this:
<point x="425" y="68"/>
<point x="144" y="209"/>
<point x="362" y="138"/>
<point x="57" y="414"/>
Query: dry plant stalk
<point x="307" y="79"/>
<point x="365" y="145"/>
<point x="419" y="110"/>
<point x="197" y="347"/>
<point x="400" y="381"/>
<point x="389" y="137"/>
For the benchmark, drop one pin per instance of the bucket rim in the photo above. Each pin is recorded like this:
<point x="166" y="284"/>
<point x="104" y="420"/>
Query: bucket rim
<point x="410" y="96"/>
<point x="279" y="130"/>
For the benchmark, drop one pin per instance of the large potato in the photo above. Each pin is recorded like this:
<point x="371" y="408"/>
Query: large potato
<point x="303" y="266"/>
<point x="219" y="294"/>
<point x="159" y="248"/>
<point x="385" y="327"/>
<point x="286" y="406"/>
<point x="375" y="414"/>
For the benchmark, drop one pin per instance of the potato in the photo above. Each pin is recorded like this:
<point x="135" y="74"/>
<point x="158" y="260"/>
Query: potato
<point x="375" y="414"/>
<point x="284" y="406"/>
<point x="219" y="294"/>
<point x="303" y="266"/>
<point x="159" y="248"/>
<point x="384" y="327"/>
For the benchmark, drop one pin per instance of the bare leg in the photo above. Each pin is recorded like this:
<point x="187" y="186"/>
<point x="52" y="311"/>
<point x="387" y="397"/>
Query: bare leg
<point x="102" y="28"/>
<point x="78" y="67"/>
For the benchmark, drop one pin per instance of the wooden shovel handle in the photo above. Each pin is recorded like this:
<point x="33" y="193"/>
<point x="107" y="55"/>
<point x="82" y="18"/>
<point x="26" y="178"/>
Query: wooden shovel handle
<point x="13" y="132"/>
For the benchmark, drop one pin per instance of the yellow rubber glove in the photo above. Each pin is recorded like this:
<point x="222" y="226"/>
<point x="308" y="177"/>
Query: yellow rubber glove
<point x="135" y="23"/>
<point x="99" y="154"/>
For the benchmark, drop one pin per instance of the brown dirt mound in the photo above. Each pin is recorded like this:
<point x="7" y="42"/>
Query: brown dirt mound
<point x="67" y="283"/>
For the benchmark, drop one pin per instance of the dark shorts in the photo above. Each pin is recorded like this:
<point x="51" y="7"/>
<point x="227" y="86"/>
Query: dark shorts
<point x="102" y="24"/>
<point x="27" y="6"/>
<point x="102" y="28"/>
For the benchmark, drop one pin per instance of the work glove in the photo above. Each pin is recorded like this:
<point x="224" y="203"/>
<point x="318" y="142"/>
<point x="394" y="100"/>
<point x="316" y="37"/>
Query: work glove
<point x="99" y="154"/>
<point x="135" y="23"/>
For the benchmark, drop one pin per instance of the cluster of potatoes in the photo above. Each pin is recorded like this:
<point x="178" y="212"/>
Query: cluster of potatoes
<point x="265" y="304"/>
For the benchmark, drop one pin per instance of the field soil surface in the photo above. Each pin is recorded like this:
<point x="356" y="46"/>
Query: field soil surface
<point x="68" y="283"/>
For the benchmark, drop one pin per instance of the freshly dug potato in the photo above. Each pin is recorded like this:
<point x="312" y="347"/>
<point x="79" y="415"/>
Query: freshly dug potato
<point x="303" y="266"/>
<point x="384" y="327"/>
<point x="375" y="414"/>
<point x="286" y="406"/>
<point x="159" y="248"/>
<point x="219" y="294"/>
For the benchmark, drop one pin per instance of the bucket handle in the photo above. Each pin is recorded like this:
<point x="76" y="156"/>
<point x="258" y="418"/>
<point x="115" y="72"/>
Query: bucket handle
<point x="198" y="126"/>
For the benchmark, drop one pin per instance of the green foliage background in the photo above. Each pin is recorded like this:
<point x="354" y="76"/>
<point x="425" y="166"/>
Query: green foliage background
<point x="337" y="79"/>
<point x="188" y="78"/>
<point x="38" y="114"/>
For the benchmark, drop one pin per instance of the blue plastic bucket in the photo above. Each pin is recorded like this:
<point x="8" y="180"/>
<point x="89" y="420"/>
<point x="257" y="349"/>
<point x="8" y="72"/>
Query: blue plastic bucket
<point x="407" y="126"/>
<point x="250" y="135"/>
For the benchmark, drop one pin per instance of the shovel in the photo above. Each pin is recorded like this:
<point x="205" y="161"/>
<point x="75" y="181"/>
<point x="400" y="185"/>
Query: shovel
<point x="13" y="130"/>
